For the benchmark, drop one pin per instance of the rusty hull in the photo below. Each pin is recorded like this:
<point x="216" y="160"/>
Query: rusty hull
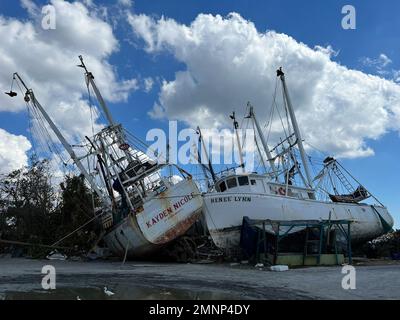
<point x="136" y="237"/>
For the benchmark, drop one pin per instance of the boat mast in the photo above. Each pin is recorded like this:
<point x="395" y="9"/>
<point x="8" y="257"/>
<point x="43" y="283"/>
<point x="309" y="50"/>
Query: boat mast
<point x="281" y="75"/>
<point x="210" y="167"/>
<point x="29" y="96"/>
<point x="117" y="130"/>
<point x="258" y="149"/>
<point x="90" y="79"/>
<point x="264" y="143"/>
<point x="235" y="128"/>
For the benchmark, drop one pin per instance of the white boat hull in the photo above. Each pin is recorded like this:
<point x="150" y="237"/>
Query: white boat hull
<point x="224" y="214"/>
<point x="163" y="219"/>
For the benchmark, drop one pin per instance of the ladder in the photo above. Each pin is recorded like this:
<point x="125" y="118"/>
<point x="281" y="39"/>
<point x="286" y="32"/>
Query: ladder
<point x="343" y="180"/>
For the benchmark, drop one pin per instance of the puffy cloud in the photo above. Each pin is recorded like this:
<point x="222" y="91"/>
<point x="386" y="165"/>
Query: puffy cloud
<point x="382" y="61"/>
<point x="229" y="62"/>
<point x="381" y="66"/>
<point x="126" y="3"/>
<point x="12" y="151"/>
<point x="148" y="84"/>
<point x="30" y="6"/>
<point x="47" y="59"/>
<point x="327" y="50"/>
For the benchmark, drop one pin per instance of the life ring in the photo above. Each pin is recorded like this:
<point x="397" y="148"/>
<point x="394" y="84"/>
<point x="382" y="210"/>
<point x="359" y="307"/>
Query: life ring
<point x="282" y="191"/>
<point x="124" y="146"/>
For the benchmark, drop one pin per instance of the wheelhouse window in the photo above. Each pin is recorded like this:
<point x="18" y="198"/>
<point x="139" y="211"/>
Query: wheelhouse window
<point x="231" y="183"/>
<point x="222" y="186"/>
<point x="253" y="182"/>
<point x="243" y="181"/>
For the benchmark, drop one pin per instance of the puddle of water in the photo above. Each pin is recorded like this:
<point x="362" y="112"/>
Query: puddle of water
<point x="121" y="292"/>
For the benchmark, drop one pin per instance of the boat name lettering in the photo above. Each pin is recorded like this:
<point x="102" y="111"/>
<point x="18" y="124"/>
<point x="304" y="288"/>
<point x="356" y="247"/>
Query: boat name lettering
<point x="231" y="199"/>
<point x="170" y="211"/>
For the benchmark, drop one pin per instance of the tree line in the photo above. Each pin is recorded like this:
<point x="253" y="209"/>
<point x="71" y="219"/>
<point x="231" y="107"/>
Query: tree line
<point x="35" y="211"/>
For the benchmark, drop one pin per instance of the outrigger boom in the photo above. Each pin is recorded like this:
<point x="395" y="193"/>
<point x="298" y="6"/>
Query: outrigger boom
<point x="30" y="96"/>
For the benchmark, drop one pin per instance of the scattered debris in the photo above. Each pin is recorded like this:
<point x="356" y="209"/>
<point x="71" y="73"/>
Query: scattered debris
<point x="193" y="249"/>
<point x="387" y="245"/>
<point x="55" y="255"/>
<point x="208" y="250"/>
<point x="182" y="249"/>
<point x="279" y="268"/>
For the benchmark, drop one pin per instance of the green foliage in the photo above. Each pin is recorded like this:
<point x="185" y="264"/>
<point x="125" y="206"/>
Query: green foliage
<point x="76" y="209"/>
<point x="33" y="211"/>
<point x="28" y="204"/>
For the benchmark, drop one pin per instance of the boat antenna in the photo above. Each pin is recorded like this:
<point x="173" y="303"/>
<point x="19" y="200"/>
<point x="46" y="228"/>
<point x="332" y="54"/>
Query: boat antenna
<point x="235" y="128"/>
<point x="296" y="129"/>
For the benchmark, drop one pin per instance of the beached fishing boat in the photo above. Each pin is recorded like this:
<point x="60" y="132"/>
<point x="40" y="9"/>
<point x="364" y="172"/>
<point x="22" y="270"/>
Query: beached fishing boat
<point x="286" y="190"/>
<point x="144" y="204"/>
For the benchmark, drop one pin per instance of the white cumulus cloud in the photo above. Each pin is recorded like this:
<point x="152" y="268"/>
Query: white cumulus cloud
<point x="148" y="84"/>
<point x="381" y="62"/>
<point x="47" y="60"/>
<point x="13" y="150"/>
<point x="229" y="62"/>
<point x="126" y="3"/>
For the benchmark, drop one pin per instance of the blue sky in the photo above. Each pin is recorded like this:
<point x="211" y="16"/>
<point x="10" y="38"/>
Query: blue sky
<point x="312" y="22"/>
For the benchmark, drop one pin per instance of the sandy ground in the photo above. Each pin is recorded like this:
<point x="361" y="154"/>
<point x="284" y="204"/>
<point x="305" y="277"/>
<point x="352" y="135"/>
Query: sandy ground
<point x="214" y="280"/>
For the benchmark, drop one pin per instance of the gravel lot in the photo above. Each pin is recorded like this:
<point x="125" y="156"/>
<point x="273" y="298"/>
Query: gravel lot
<point x="21" y="279"/>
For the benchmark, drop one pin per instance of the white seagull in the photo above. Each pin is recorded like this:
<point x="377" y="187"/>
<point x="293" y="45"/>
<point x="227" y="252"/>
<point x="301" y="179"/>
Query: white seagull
<point x="108" y="292"/>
